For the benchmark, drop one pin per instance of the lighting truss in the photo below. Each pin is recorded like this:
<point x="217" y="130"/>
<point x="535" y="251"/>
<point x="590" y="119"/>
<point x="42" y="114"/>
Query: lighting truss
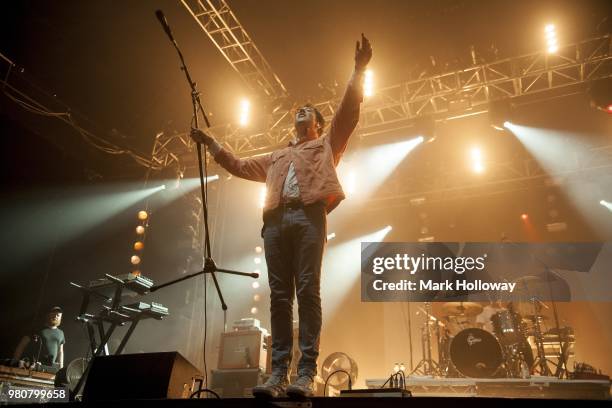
<point x="445" y="96"/>
<point x="220" y="24"/>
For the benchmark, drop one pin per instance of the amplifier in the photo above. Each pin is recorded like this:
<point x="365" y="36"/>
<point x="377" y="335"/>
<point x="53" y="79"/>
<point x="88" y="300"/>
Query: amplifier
<point x="243" y="349"/>
<point x="236" y="383"/>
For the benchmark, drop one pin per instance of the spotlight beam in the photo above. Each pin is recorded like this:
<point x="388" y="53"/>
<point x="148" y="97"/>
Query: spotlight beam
<point x="346" y="257"/>
<point x="36" y="227"/>
<point x="371" y="167"/>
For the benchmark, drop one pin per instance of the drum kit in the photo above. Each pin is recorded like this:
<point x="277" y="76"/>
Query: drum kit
<point x="494" y="341"/>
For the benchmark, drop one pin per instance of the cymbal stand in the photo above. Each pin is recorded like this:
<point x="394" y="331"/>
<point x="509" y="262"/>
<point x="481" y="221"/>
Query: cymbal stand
<point x="540" y="359"/>
<point x="427" y="366"/>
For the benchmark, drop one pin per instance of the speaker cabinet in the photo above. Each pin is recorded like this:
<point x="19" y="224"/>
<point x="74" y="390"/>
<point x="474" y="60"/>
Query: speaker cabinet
<point x="243" y="349"/>
<point x="140" y="376"/>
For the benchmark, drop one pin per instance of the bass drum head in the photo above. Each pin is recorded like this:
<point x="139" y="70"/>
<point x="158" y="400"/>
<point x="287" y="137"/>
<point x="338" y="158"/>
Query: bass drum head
<point x="476" y="353"/>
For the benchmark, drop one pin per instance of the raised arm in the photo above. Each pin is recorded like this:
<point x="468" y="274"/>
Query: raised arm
<point x="346" y="117"/>
<point x="253" y="168"/>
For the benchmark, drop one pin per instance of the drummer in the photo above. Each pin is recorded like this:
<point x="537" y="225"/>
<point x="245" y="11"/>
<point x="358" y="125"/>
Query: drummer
<point x="483" y="320"/>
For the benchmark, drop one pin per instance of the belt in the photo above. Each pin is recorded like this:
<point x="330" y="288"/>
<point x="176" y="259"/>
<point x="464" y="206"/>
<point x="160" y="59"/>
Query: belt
<point x="296" y="204"/>
<point x="292" y="204"/>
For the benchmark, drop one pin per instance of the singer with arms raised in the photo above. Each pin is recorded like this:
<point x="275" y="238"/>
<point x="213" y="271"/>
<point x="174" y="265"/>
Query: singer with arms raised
<point x="302" y="187"/>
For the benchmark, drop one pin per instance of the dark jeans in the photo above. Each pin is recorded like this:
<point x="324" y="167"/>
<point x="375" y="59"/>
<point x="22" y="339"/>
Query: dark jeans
<point x="294" y="240"/>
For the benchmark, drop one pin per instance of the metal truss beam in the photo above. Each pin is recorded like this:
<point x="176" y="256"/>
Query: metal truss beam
<point x="449" y="95"/>
<point x="233" y="42"/>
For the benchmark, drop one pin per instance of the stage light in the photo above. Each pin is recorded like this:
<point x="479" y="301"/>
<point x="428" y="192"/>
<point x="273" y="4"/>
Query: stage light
<point x="245" y="108"/>
<point x="253" y="310"/>
<point x="135" y="260"/>
<point x="476" y="156"/>
<point x="331" y="236"/>
<point x="138" y="246"/>
<point x="600" y="92"/>
<point x="140" y="230"/>
<point x="524" y="216"/>
<point x="262" y="197"/>
<point x="426" y="127"/>
<point x="368" y="86"/>
<point x="142" y="215"/>
<point x="507" y="124"/>
<point x="501" y="113"/>
<point x="162" y="187"/>
<point x="606" y="204"/>
<point x="258" y="249"/>
<point x="256" y="297"/>
<point x="257" y="260"/>
<point x="551" y="38"/>
<point x="255" y="285"/>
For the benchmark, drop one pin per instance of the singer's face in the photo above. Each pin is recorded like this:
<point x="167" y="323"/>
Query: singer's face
<point x="305" y="117"/>
<point x="54" y="319"/>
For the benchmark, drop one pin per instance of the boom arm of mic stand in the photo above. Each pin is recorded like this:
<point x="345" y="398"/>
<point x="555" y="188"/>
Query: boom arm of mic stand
<point x="163" y="285"/>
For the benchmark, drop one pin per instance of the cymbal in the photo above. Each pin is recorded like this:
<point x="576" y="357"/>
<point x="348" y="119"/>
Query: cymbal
<point x="461" y="309"/>
<point x="528" y="287"/>
<point x="531" y="317"/>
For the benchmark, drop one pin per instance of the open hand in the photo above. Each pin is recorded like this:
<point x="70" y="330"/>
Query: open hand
<point x="363" y="53"/>
<point x="200" y="137"/>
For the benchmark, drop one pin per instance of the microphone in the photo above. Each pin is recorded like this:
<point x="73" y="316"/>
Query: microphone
<point x="162" y="20"/>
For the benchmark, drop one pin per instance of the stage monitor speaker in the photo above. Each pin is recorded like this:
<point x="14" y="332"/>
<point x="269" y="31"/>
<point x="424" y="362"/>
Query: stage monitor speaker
<point x="140" y="376"/>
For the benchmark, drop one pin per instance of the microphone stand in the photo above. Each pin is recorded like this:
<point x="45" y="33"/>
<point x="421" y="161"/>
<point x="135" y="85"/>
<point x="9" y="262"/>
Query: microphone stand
<point x="209" y="264"/>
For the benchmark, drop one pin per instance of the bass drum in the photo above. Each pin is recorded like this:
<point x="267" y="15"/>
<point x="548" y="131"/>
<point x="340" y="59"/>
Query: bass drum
<point x="476" y="353"/>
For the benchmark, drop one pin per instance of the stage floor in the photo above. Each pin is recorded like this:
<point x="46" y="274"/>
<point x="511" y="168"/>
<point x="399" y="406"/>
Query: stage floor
<point x="320" y="402"/>
<point x="534" y="387"/>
